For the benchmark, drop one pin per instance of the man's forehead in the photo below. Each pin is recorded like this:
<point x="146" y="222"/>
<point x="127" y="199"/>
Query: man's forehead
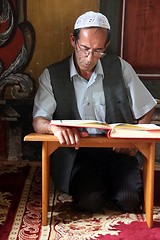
<point x="91" y="32"/>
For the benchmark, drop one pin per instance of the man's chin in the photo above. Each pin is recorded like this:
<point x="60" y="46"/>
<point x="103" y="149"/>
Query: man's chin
<point x="86" y="68"/>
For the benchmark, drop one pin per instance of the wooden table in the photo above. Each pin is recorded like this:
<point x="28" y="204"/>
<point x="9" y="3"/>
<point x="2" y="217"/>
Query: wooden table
<point x="146" y="146"/>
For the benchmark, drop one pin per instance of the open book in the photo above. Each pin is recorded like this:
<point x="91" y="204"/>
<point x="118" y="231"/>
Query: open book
<point x="115" y="130"/>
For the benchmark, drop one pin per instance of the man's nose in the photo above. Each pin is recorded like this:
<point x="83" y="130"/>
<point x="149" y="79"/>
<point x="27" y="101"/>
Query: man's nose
<point x="90" y="55"/>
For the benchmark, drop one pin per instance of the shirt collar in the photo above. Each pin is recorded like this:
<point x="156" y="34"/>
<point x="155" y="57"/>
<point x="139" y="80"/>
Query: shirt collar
<point x="73" y="70"/>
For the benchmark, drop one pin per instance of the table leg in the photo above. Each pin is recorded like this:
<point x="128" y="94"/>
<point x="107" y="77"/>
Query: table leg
<point x="47" y="149"/>
<point x="149" y="184"/>
<point x="45" y="182"/>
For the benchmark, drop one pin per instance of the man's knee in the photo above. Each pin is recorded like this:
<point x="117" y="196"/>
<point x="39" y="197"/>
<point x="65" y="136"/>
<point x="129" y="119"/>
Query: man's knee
<point x="130" y="202"/>
<point x="90" y="202"/>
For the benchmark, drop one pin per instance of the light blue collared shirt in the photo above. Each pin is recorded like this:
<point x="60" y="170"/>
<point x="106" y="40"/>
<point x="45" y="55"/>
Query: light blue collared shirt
<point x="90" y="95"/>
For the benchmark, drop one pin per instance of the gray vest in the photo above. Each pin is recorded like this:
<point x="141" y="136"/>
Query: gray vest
<point x="117" y="109"/>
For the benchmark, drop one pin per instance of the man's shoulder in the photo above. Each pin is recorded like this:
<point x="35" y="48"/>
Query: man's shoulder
<point x="110" y="57"/>
<point x="59" y="64"/>
<point x="111" y="61"/>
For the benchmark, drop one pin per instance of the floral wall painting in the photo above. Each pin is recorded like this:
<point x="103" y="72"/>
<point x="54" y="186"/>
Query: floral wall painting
<point x="17" y="40"/>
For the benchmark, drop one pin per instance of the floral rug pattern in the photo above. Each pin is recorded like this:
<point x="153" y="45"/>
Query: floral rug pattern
<point x="21" y="220"/>
<point x="67" y="224"/>
<point x="4" y="205"/>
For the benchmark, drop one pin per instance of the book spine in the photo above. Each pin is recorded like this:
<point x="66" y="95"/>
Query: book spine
<point x="108" y="133"/>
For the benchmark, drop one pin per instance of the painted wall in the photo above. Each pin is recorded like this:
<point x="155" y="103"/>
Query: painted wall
<point x="53" y="22"/>
<point x="136" y="39"/>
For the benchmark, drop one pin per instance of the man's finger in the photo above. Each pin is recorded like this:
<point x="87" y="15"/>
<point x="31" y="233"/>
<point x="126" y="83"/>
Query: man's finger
<point x="84" y="134"/>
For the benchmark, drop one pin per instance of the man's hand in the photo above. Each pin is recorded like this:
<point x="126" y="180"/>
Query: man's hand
<point x="144" y="119"/>
<point x="68" y="135"/>
<point x="65" y="135"/>
<point x="128" y="151"/>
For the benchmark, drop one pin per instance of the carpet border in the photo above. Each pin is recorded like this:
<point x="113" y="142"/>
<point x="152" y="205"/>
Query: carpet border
<point x="13" y="235"/>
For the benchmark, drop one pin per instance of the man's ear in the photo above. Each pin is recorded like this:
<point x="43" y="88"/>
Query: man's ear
<point x="72" y="39"/>
<point x="107" y="45"/>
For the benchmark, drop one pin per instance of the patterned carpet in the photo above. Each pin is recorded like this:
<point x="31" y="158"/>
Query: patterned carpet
<point x="20" y="201"/>
<point x="20" y="212"/>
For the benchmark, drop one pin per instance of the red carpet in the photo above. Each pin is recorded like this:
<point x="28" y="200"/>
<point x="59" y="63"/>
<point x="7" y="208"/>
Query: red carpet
<point x="20" y="213"/>
<point x="20" y="201"/>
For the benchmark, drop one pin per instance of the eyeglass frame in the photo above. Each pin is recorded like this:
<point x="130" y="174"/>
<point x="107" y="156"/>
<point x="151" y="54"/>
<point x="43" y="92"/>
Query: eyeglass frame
<point x="87" y="52"/>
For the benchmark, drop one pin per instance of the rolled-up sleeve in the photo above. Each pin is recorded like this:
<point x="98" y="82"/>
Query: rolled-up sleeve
<point x="44" y="102"/>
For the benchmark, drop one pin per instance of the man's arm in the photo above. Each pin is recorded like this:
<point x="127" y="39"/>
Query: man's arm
<point x="147" y="117"/>
<point x="65" y="135"/>
<point x="42" y="125"/>
<point x="143" y="120"/>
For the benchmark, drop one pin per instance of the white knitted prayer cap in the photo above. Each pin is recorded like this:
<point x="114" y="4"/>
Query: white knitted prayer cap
<point x="92" y="19"/>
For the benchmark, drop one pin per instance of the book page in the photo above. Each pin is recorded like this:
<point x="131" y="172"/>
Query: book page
<point x="137" y="127"/>
<point x="82" y="124"/>
<point x="121" y="133"/>
<point x="105" y="126"/>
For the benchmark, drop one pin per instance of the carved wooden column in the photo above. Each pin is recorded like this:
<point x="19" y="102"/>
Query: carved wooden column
<point x="16" y="48"/>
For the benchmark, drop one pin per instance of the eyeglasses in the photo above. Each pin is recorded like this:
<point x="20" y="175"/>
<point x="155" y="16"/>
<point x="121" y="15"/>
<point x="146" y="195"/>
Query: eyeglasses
<point x="86" y="52"/>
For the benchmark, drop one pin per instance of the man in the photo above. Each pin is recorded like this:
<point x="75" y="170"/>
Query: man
<point x="90" y="85"/>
